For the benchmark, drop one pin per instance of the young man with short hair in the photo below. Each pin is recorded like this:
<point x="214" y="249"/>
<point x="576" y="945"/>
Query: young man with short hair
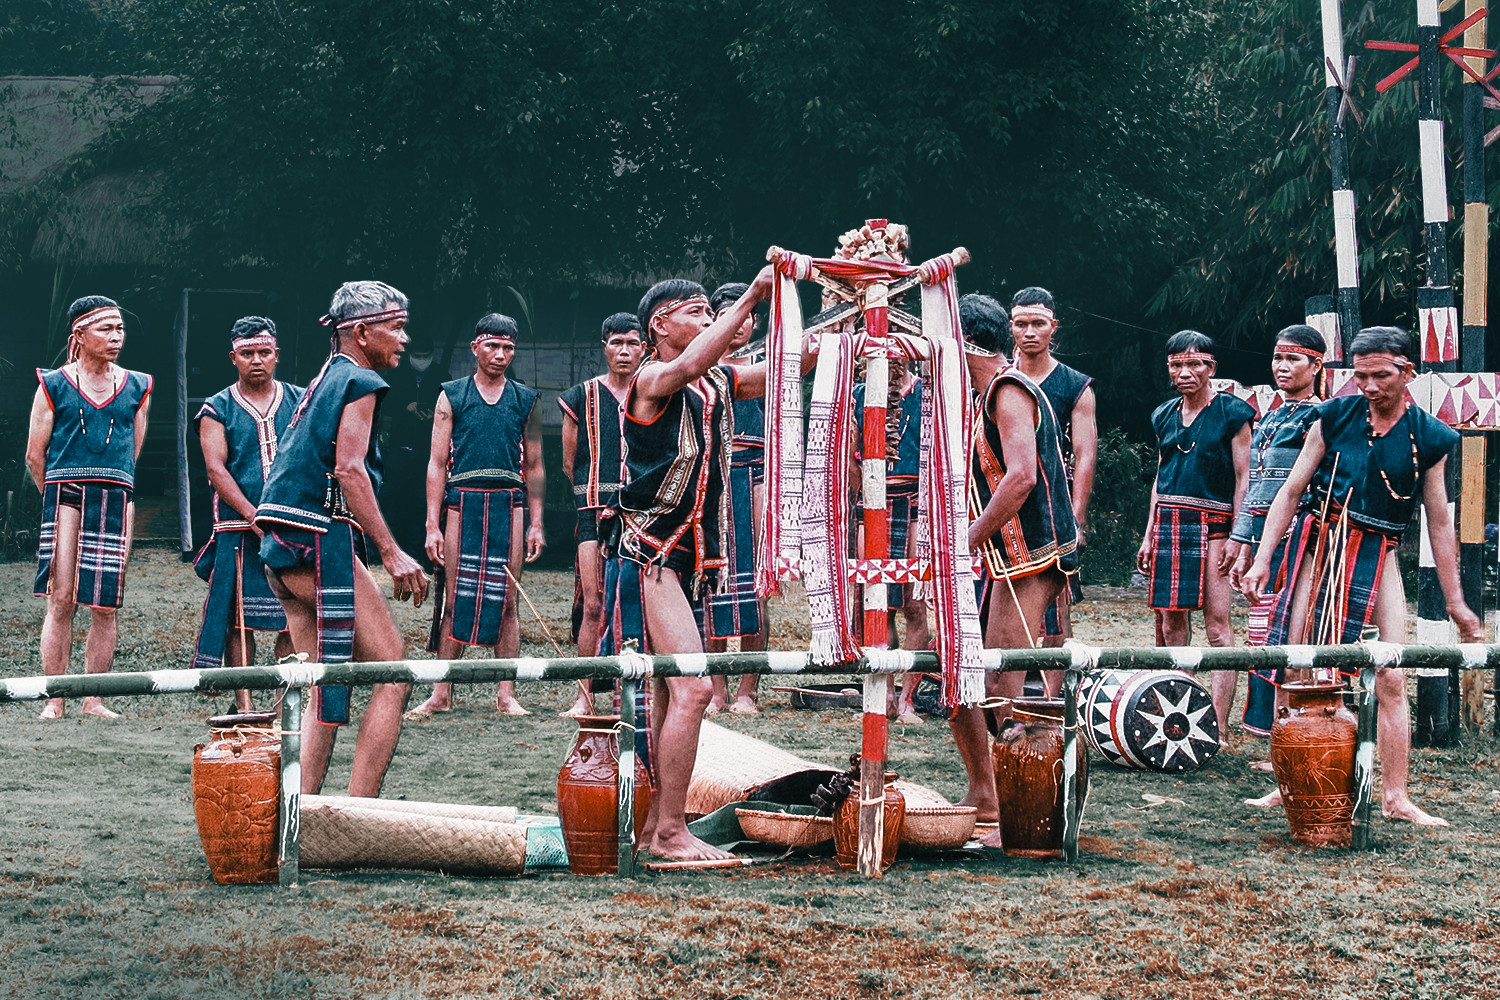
<point x="239" y="429"/>
<point x="1021" y="526"/>
<point x="1203" y="464"/>
<point x="484" y="473"/>
<point x="88" y="422"/>
<point x="318" y="510"/>
<point x="591" y="461"/>
<point x="1033" y="327"/>
<point x="1367" y="460"/>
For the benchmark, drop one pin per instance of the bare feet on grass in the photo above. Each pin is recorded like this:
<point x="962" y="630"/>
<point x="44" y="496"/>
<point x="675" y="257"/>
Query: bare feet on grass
<point x="744" y="706"/>
<point x="1271" y="800"/>
<point x="582" y="705"/>
<point x="54" y="709"/>
<point x="1399" y="807"/>
<point x="992" y="839"/>
<point x="684" y="846"/>
<point x="909" y="718"/>
<point x="510" y="707"/>
<point x="95" y="707"/>
<point x="430" y="707"/>
<point x="715" y="706"/>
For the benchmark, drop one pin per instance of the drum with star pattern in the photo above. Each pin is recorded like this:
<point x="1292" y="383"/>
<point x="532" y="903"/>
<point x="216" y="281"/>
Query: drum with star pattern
<point x="1150" y="720"/>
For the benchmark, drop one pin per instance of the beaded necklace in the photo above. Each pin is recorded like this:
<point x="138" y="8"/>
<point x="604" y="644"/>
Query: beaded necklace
<point x="1415" y="466"/>
<point x="114" y="388"/>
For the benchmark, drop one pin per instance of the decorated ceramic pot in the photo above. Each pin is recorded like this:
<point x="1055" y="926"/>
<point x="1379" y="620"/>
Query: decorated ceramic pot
<point x="1029" y="778"/>
<point x="236" y="798"/>
<point x="846" y="827"/>
<point x="588" y="800"/>
<point x="1312" y="749"/>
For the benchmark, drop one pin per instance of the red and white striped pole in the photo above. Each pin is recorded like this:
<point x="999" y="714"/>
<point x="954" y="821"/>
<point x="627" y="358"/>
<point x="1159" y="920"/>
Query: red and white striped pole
<point x="877" y="546"/>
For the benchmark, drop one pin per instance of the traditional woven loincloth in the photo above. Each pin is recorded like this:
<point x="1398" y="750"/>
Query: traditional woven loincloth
<point x="1179" y="555"/>
<point x="103" y="542"/>
<point x="1346" y="582"/>
<point x="625" y="628"/>
<point x="331" y="556"/>
<point x="480" y="591"/>
<point x="1057" y="612"/>
<point x="231" y="565"/>
<point x="734" y="608"/>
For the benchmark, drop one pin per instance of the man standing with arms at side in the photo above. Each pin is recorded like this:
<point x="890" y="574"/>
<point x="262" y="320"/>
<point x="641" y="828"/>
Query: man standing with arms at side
<point x="1033" y="325"/>
<point x="239" y="429"/>
<point x="484" y="472"/>
<point x="317" y="510"/>
<point x="88" y="422"/>
<point x="591" y="461"/>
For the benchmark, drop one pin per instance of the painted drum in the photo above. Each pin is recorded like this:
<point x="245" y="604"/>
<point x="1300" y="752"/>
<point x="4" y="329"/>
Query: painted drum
<point x="1150" y="720"/>
<point x="587" y="797"/>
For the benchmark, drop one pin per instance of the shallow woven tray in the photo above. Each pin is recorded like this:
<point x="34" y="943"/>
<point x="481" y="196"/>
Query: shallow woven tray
<point x="938" y="828"/>
<point x="785" y="829"/>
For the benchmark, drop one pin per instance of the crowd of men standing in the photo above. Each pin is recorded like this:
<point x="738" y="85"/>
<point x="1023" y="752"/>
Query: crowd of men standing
<point x="663" y="452"/>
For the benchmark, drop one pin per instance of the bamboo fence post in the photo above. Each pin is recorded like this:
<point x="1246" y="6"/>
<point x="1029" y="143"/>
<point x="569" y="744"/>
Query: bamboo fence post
<point x="1471" y="512"/>
<point x="1071" y="813"/>
<point x="625" y="781"/>
<point x="876" y="547"/>
<point x="1364" y="759"/>
<point x="291" y="787"/>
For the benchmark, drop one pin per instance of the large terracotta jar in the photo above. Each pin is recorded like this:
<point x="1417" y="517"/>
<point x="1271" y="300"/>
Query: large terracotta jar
<point x="846" y="827"/>
<point x="1029" y="779"/>
<point x="1312" y="749"/>
<point x="236" y="798"/>
<point x="588" y="800"/>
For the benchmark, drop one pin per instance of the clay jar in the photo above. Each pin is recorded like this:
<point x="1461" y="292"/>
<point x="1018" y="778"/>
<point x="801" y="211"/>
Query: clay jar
<point x="846" y="827"/>
<point x="1312" y="749"/>
<point x="1029" y="779"/>
<point x="588" y="800"/>
<point x="236" y="795"/>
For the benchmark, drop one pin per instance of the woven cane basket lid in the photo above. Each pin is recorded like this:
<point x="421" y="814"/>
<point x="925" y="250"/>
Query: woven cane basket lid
<point x="785" y="829"/>
<point x="938" y="828"/>
<point x="337" y="836"/>
<point x="731" y="765"/>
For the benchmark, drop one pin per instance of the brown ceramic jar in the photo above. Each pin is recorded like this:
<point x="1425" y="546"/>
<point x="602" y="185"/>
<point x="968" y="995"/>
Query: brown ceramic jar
<point x="587" y="797"/>
<point x="1029" y="779"/>
<point x="1312" y="749"/>
<point x="236" y="799"/>
<point x="846" y="827"/>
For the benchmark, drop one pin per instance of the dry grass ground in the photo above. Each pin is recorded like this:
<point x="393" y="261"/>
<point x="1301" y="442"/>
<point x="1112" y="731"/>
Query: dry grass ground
<point x="104" y="891"/>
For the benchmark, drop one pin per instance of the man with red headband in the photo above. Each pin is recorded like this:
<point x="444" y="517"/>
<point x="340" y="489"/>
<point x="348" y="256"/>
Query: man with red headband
<point x="484" y="472"/>
<point x="239" y="429"/>
<point x="668" y="552"/>
<point x="1033" y="325"/>
<point x="1367" y="459"/>
<point x="318" y="510"/>
<point x="88" y="421"/>
<point x="1203" y="465"/>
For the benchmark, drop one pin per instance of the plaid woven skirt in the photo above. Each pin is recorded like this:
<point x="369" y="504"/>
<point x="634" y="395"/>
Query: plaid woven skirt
<point x="1179" y="555"/>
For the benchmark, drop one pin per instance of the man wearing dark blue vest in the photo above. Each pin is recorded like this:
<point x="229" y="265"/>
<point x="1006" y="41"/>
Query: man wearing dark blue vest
<point x="483" y="475"/>
<point x="239" y="429"/>
<point x="88" y="422"/>
<point x="318" y="511"/>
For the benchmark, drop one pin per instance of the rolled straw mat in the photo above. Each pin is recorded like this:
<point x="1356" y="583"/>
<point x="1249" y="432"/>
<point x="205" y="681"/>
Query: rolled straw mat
<point x="353" y="836"/>
<point x="458" y="810"/>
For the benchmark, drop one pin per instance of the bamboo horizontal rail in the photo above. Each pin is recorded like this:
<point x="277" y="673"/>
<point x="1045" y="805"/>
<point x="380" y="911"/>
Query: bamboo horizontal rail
<point x="1345" y="658"/>
<point x="1075" y="658"/>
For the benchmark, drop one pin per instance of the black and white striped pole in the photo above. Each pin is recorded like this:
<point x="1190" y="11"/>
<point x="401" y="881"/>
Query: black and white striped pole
<point x="1338" y="317"/>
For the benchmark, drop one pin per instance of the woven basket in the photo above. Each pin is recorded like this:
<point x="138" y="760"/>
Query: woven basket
<point x="456" y="810"/>
<point x="785" y="829"/>
<point x="938" y="828"/>
<point x="337" y="836"/>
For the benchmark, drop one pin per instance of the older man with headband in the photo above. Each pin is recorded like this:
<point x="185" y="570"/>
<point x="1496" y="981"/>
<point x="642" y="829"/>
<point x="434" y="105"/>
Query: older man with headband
<point x="1367" y="459"/>
<point x="318" y="510"/>
<point x="484" y="472"/>
<point x="88" y="422"/>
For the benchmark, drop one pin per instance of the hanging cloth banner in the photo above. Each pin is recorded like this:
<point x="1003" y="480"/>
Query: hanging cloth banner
<point x="944" y="468"/>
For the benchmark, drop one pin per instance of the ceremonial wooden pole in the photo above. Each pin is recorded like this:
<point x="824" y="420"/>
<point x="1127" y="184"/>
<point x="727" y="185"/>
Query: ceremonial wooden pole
<point x="1345" y="304"/>
<point x="1437" y="323"/>
<point x="1471" y="493"/>
<point x="876" y="547"/>
<point x="290" y="832"/>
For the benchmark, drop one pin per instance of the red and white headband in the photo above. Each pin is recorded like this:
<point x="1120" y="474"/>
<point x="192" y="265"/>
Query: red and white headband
<point x="1190" y="356"/>
<point x="95" y="316"/>
<point x="1311" y="352"/>
<point x="672" y="305"/>
<point x="262" y="338"/>
<point x="367" y="319"/>
<point x="1036" y="308"/>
